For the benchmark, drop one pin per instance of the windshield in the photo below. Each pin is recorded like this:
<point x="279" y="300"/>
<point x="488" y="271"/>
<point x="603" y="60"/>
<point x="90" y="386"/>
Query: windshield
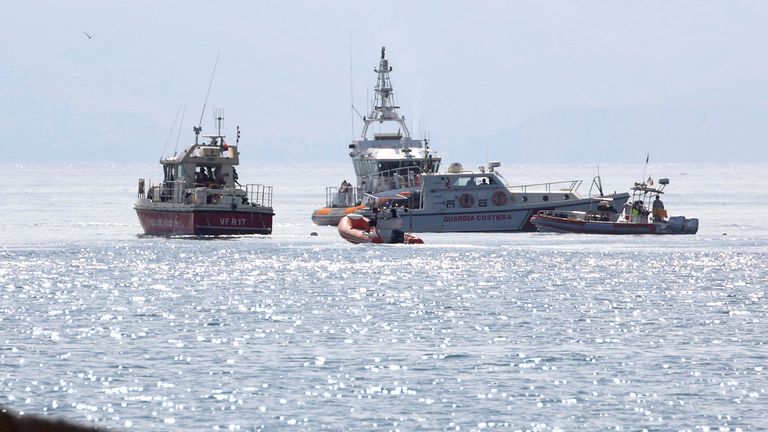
<point x="499" y="178"/>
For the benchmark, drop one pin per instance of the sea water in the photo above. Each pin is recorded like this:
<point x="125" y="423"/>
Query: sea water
<point x="514" y="331"/>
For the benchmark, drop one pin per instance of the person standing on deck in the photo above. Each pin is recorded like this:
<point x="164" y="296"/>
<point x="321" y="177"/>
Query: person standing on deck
<point x="658" y="207"/>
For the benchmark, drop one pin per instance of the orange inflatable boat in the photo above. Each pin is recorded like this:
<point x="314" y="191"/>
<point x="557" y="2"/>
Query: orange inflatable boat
<point x="332" y="215"/>
<point x="356" y="228"/>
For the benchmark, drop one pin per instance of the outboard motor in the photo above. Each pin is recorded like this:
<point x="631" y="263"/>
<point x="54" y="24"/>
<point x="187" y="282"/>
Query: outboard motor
<point x="691" y="226"/>
<point x="397" y="236"/>
<point x="681" y="225"/>
<point x="390" y="227"/>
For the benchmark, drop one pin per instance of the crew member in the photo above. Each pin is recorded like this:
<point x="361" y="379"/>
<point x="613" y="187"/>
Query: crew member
<point x="658" y="207"/>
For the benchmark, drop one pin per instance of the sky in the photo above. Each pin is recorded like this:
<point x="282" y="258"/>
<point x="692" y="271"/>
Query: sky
<point x="514" y="81"/>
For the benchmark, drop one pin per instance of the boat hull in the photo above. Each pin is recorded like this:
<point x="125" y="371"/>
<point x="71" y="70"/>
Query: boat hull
<point x="514" y="218"/>
<point x="330" y="216"/>
<point x="546" y="223"/>
<point x="358" y="230"/>
<point x="195" y="221"/>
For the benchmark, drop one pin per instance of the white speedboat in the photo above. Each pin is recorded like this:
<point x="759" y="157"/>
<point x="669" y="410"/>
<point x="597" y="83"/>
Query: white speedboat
<point x="483" y="201"/>
<point x="391" y="160"/>
<point x="633" y="219"/>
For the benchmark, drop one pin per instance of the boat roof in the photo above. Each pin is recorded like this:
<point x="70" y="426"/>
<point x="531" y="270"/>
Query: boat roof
<point x="397" y="154"/>
<point x="642" y="187"/>
<point x="467" y="173"/>
<point x="393" y="194"/>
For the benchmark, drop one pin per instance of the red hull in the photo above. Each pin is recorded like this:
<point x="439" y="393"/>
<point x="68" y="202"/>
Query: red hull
<point x="205" y="222"/>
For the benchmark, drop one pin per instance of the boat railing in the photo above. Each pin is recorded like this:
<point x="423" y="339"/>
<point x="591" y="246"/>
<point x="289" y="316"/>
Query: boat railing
<point x="558" y="186"/>
<point x="396" y="178"/>
<point x="177" y="192"/>
<point x="167" y="191"/>
<point x="345" y="196"/>
<point x="259" y="195"/>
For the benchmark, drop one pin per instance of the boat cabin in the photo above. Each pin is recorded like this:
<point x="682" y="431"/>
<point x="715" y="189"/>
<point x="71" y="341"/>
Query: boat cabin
<point x="206" y="174"/>
<point x="457" y="189"/>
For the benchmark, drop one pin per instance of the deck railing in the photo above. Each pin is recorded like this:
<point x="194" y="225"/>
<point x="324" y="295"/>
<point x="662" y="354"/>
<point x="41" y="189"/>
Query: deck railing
<point x="169" y="191"/>
<point x="258" y="194"/>
<point x="397" y="178"/>
<point x="347" y="196"/>
<point x="177" y="192"/>
<point x="558" y="186"/>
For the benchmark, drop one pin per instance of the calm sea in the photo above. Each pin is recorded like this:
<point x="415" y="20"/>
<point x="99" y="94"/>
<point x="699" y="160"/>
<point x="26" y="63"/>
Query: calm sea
<point x="529" y="332"/>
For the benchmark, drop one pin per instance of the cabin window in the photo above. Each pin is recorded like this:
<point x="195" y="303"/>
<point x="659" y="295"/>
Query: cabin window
<point x="566" y="196"/>
<point x="482" y="181"/>
<point x="545" y="198"/>
<point x="525" y="198"/>
<point x="465" y="182"/>
<point x="170" y="172"/>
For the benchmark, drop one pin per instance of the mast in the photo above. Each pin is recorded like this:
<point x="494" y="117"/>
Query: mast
<point x="384" y="108"/>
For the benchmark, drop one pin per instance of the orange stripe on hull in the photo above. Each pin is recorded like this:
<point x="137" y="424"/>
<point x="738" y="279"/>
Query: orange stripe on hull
<point x="332" y="215"/>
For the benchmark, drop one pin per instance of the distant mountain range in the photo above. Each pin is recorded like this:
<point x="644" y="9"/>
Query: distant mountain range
<point x="700" y="134"/>
<point x="737" y="134"/>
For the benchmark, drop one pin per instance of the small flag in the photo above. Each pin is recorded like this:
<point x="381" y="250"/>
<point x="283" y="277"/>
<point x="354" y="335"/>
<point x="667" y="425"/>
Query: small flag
<point x="650" y="181"/>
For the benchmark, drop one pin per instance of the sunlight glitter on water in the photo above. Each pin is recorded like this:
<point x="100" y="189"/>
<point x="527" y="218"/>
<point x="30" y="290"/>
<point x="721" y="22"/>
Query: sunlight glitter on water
<point x="527" y="334"/>
<point x="476" y="331"/>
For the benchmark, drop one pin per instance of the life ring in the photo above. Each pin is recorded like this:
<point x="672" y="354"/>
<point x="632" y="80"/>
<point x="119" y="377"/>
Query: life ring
<point x="466" y="200"/>
<point x="499" y="198"/>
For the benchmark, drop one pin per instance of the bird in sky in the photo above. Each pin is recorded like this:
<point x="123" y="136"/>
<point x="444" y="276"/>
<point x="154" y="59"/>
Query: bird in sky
<point x="89" y="36"/>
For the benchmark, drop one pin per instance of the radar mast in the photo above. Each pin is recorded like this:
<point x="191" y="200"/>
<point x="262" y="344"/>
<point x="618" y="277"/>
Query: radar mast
<point x="384" y="108"/>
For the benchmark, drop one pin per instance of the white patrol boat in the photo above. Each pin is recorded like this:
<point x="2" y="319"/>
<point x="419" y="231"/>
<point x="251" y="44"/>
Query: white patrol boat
<point x="391" y="160"/>
<point x="483" y="201"/>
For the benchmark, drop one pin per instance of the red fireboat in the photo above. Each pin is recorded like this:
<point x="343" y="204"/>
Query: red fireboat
<point x="200" y="194"/>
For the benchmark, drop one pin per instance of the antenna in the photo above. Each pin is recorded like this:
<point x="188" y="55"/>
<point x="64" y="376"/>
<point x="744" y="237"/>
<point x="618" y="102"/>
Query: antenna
<point x="178" y="135"/>
<point x="599" y="182"/>
<point x="170" y="132"/>
<point x="219" y="120"/>
<point x="199" y="128"/>
<point x="647" y="157"/>
<point x="362" y="117"/>
<point x="351" y="90"/>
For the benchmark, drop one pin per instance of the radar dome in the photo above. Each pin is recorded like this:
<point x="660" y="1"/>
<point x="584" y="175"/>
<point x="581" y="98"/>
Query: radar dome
<point x="455" y="168"/>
